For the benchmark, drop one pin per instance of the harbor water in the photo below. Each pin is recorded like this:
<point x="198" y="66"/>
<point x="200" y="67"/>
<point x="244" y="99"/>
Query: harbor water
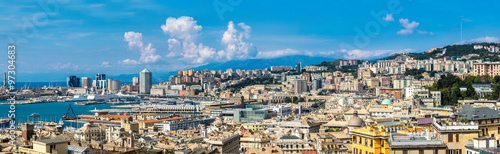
<point x="51" y="111"/>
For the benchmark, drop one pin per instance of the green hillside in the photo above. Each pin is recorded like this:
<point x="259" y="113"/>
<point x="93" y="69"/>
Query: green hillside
<point x="454" y="51"/>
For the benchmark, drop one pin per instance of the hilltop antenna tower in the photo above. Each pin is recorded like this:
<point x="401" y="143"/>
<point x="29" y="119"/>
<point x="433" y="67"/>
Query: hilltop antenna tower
<point x="461" y="41"/>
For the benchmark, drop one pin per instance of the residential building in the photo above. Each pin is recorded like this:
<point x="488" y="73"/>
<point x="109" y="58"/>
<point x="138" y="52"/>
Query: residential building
<point x="327" y="143"/>
<point x="373" y="139"/>
<point x="91" y="131"/>
<point x="300" y="86"/>
<point x="256" y="139"/>
<point x="281" y="68"/>
<point x="483" y="145"/>
<point x="487" y="68"/>
<point x="293" y="144"/>
<point x="401" y="83"/>
<point x="415" y="141"/>
<point x="454" y="134"/>
<point x="225" y="142"/>
<point x="372" y="82"/>
<point x="303" y="126"/>
<point x="55" y="145"/>
<point x="487" y="119"/>
<point x="135" y="81"/>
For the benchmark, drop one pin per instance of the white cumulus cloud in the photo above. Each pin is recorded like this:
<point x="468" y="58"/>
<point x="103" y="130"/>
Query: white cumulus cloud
<point x="371" y="54"/>
<point x="184" y="28"/>
<point x="65" y="66"/>
<point x="407" y="24"/>
<point x="388" y="17"/>
<point x="148" y="53"/>
<point x="235" y="45"/>
<point x="184" y="33"/>
<point x="410" y="27"/>
<point x="130" y="61"/>
<point x="484" y="39"/>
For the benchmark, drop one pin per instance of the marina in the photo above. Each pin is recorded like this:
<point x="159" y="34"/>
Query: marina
<point x="49" y="112"/>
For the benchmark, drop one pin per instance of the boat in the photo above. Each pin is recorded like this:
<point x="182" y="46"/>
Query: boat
<point x="61" y="122"/>
<point x="79" y="97"/>
<point x="35" y="115"/>
<point x="102" y="97"/>
<point x="87" y="103"/>
<point x="69" y="115"/>
<point x="4" y="122"/>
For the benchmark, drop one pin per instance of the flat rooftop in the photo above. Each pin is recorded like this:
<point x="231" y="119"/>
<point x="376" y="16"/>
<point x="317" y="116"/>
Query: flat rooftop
<point x="52" y="141"/>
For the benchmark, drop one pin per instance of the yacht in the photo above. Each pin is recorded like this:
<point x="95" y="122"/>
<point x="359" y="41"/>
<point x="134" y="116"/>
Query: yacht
<point x="35" y="115"/>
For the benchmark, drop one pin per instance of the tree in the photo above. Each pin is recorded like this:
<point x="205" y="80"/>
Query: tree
<point x="471" y="92"/>
<point x="477" y="79"/>
<point x="469" y="79"/>
<point x="445" y="94"/>
<point x="495" y="80"/>
<point x="495" y="94"/>
<point x="455" y="93"/>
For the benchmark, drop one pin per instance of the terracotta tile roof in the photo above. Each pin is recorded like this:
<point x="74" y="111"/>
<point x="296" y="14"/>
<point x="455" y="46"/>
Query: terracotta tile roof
<point x="116" y="116"/>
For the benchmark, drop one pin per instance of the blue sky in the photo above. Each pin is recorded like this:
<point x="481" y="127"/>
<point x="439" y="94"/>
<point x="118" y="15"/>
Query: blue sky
<point x="123" y="37"/>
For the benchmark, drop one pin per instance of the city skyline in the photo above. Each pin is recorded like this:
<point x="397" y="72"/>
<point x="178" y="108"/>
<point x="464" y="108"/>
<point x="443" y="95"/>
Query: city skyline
<point x="250" y="77"/>
<point x="118" y="38"/>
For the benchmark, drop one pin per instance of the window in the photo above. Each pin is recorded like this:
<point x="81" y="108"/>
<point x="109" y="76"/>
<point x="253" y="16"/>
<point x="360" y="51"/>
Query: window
<point x="457" y="138"/>
<point x="382" y="144"/>
<point x="450" y="137"/>
<point x="435" y="151"/>
<point x="421" y="151"/>
<point x="405" y="151"/>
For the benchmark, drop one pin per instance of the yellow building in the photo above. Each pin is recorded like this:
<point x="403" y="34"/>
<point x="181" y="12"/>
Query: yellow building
<point x="373" y="139"/>
<point x="442" y="111"/>
<point x="253" y="126"/>
<point x="487" y="119"/>
<point x="130" y="126"/>
<point x="327" y="143"/>
<point x="395" y="138"/>
<point x="412" y="141"/>
<point x="455" y="135"/>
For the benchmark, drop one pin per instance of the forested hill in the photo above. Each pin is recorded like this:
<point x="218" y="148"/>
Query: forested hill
<point x="455" y="51"/>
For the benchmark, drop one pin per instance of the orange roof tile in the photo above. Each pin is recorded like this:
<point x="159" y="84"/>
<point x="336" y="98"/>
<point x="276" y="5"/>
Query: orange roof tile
<point x="116" y="116"/>
<point x="308" y="152"/>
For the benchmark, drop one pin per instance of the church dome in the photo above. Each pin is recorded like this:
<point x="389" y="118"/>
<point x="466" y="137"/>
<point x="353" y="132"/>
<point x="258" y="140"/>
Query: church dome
<point x="355" y="121"/>
<point x="386" y="102"/>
